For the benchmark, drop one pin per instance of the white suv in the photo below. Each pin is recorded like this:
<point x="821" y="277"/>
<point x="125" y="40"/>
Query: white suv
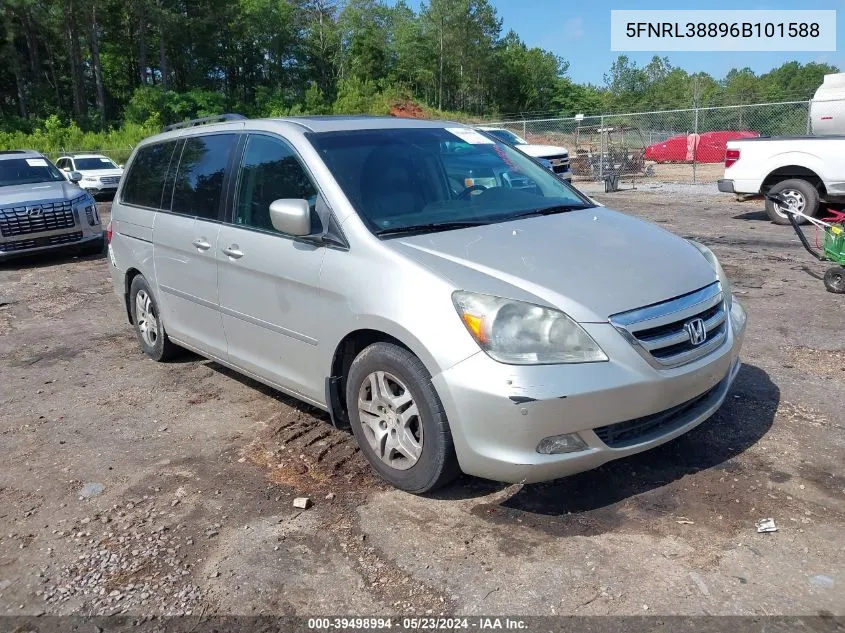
<point x="100" y="175"/>
<point x="557" y="157"/>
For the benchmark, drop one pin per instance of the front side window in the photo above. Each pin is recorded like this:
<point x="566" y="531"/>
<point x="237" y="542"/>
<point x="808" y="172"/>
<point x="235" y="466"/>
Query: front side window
<point x="27" y="171"/>
<point x="199" y="179"/>
<point x="269" y="171"/>
<point x="428" y="179"/>
<point x="145" y="179"/>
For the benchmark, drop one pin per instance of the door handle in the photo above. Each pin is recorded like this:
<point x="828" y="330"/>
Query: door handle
<point x="201" y="244"/>
<point x="233" y="252"/>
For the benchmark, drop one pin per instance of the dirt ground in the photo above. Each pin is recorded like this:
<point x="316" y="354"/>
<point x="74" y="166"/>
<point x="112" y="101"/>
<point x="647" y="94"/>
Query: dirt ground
<point x="131" y="486"/>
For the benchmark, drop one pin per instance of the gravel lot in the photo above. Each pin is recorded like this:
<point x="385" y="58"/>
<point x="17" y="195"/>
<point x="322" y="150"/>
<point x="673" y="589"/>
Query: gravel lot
<point x="131" y="486"/>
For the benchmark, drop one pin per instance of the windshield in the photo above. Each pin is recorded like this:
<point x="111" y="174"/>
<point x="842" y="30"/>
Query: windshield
<point x="507" y="137"/>
<point x="93" y="164"/>
<point x="404" y="179"/>
<point x="26" y="171"/>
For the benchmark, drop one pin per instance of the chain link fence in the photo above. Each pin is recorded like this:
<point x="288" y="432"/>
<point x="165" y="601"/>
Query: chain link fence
<point x="670" y="146"/>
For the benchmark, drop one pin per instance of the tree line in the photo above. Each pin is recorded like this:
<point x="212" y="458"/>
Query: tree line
<point x="103" y="64"/>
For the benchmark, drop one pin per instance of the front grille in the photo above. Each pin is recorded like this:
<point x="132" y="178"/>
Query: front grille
<point x="37" y="217"/>
<point x="110" y="180"/>
<point x="559" y="163"/>
<point x="660" y="332"/>
<point x="630" y="432"/>
<point x="52" y="240"/>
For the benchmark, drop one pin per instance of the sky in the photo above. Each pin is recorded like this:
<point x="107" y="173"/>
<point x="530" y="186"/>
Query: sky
<point x="580" y="33"/>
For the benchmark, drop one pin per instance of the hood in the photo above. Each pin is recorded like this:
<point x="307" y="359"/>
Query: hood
<point x="542" y="151"/>
<point x="98" y="173"/>
<point x="39" y="192"/>
<point x="591" y="263"/>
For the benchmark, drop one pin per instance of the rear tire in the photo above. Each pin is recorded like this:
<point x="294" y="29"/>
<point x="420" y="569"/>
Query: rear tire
<point x="834" y="280"/>
<point x="803" y="193"/>
<point x="398" y="419"/>
<point x="149" y="327"/>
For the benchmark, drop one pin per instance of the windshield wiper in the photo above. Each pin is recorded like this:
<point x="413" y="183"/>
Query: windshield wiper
<point x="560" y="208"/>
<point x="431" y="227"/>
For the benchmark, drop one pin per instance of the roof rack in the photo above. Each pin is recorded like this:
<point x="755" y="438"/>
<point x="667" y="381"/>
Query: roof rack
<point x="218" y="118"/>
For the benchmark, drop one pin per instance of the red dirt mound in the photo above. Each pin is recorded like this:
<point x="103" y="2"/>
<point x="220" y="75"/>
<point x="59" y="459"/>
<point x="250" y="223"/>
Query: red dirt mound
<point x="407" y="110"/>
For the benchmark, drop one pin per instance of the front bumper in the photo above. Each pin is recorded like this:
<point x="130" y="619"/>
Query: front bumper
<point x="51" y="243"/>
<point x="725" y="186"/>
<point x="98" y="188"/>
<point x="499" y="413"/>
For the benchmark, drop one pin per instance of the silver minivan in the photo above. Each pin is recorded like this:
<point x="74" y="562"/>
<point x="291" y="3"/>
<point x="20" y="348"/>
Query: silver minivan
<point x="451" y="300"/>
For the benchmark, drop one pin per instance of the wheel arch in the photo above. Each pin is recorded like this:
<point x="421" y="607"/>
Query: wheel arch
<point x="790" y="172"/>
<point x="352" y="344"/>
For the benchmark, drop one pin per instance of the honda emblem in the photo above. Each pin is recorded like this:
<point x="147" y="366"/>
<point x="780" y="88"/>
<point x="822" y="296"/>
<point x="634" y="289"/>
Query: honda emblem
<point x="696" y="330"/>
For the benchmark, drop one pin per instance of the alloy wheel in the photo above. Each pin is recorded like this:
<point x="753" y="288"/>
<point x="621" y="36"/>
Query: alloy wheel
<point x="390" y="420"/>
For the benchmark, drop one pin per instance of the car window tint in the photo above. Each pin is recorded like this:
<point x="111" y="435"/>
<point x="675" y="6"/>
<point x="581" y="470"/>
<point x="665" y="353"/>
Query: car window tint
<point x="199" y="179"/>
<point x="167" y="194"/>
<point x="269" y="171"/>
<point x="145" y="179"/>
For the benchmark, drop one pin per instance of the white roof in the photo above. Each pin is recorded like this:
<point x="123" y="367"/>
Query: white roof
<point x="84" y="156"/>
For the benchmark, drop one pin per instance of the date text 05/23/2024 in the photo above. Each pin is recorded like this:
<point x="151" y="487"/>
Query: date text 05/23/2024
<point x="417" y="624"/>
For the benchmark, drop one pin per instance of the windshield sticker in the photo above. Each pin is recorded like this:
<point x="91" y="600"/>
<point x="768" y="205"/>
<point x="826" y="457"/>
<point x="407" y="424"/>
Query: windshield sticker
<point x="469" y="136"/>
<point x="36" y="162"/>
<point x="105" y="160"/>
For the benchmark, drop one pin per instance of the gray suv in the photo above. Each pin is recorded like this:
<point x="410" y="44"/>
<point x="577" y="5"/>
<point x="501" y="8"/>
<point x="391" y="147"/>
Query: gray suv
<point x="456" y="304"/>
<point x="41" y="211"/>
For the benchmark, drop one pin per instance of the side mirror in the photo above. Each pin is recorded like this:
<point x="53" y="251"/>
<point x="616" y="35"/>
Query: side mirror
<point x="120" y="166"/>
<point x="74" y="176"/>
<point x="291" y="216"/>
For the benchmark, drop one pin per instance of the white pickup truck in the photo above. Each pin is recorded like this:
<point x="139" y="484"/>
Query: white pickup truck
<point x="806" y="170"/>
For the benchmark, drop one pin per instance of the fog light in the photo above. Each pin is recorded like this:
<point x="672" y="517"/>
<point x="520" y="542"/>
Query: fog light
<point x="556" y="444"/>
<point x="738" y="316"/>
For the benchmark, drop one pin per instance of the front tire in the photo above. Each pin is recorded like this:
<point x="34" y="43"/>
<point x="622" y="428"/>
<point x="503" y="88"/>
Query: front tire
<point x="398" y="419"/>
<point x="834" y="280"/>
<point x="148" y="325"/>
<point x="803" y="195"/>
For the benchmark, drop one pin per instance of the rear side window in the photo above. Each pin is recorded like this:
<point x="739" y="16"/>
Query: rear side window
<point x="145" y="180"/>
<point x="199" y="179"/>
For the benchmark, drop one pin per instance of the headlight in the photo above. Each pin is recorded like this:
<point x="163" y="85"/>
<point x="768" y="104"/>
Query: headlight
<point x="520" y="333"/>
<point x="88" y="206"/>
<point x="738" y="316"/>
<point x="714" y="262"/>
<point x="89" y="179"/>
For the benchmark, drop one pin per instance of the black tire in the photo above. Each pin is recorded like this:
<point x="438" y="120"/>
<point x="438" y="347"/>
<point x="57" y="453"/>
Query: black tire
<point x="437" y="463"/>
<point x="96" y="247"/>
<point x="159" y="347"/>
<point x="802" y="188"/>
<point x="834" y="280"/>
